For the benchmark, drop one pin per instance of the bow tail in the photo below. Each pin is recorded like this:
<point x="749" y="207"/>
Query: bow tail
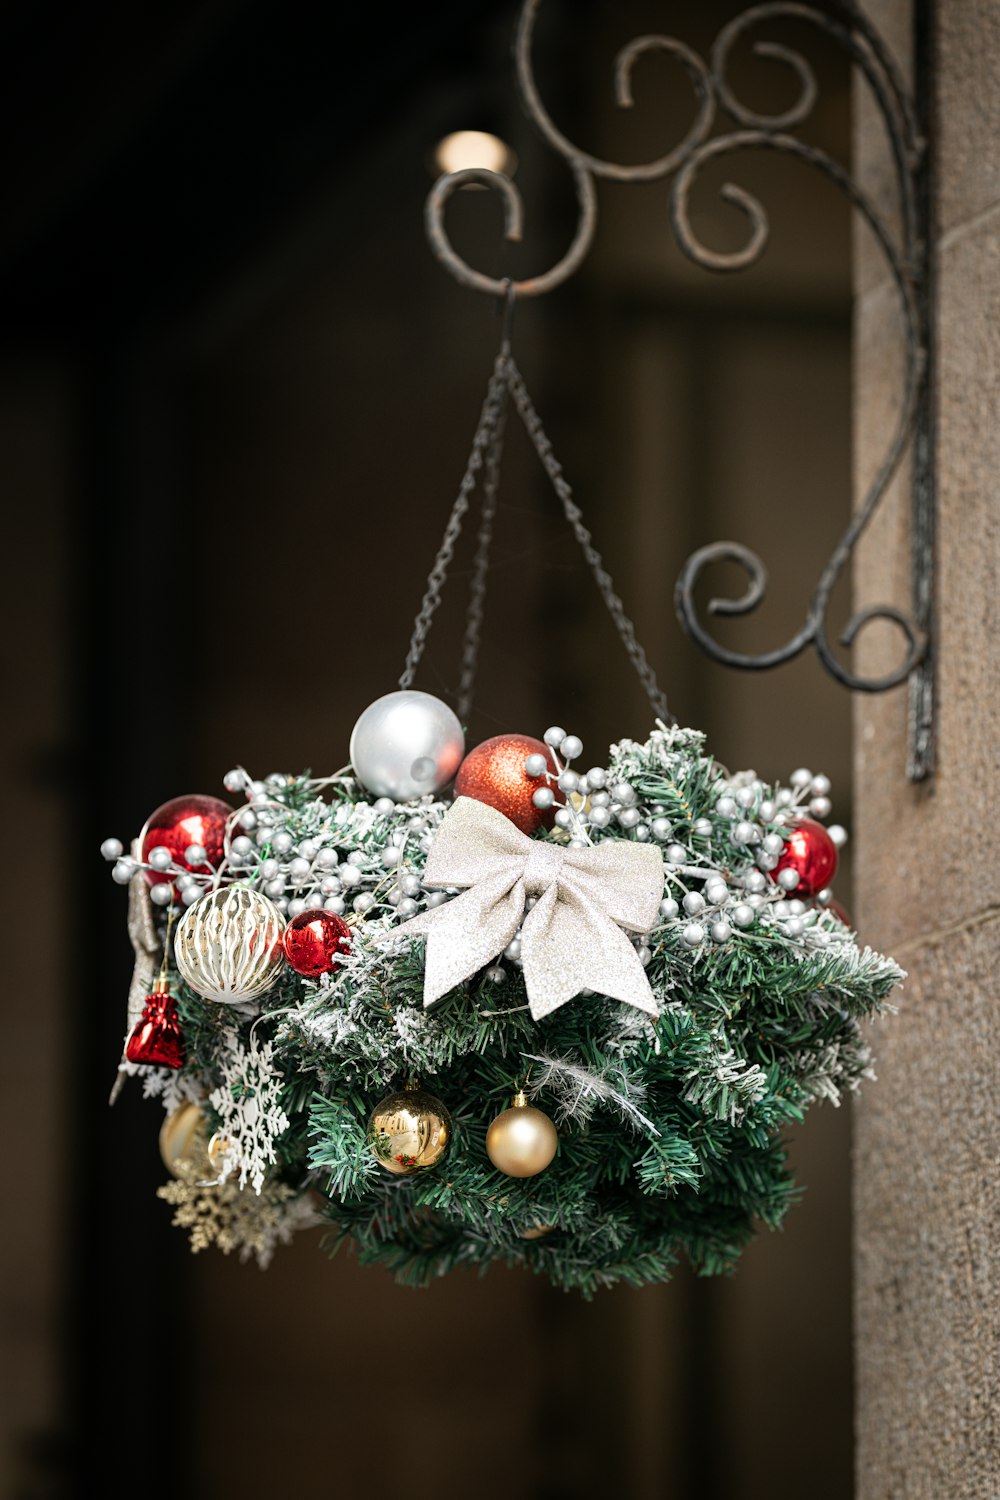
<point x="567" y="946"/>
<point x="465" y="934"/>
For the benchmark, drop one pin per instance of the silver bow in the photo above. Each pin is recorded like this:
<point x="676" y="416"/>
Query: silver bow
<point x="572" y="938"/>
<point x="147" y="948"/>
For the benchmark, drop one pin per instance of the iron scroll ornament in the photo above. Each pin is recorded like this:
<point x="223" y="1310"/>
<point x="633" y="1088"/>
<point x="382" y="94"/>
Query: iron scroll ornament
<point x="906" y="252"/>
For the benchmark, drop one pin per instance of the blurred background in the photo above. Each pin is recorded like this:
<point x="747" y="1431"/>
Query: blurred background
<point x="236" y="398"/>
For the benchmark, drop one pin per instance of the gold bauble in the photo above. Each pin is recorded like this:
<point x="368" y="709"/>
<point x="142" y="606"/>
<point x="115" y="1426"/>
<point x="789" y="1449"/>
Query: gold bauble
<point x="523" y="1140"/>
<point x="536" y="1231"/>
<point x="409" y="1131"/>
<point x="183" y="1137"/>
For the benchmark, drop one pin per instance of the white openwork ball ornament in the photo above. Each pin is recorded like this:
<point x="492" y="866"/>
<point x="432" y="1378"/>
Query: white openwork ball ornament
<point x="406" y="745"/>
<point x="228" y="945"/>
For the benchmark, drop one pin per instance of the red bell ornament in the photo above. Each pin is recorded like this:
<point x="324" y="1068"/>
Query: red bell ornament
<point x="157" y="1037"/>
<point x="184" y="821"/>
<point x="494" y="773"/>
<point x="313" y="942"/>
<point x="811" y="852"/>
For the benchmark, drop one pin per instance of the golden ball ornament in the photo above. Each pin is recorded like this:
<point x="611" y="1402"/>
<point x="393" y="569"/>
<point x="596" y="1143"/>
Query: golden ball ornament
<point x="409" y="1131"/>
<point x="228" y="945"/>
<point x="183" y="1137"/>
<point x="536" y="1231"/>
<point x="523" y="1140"/>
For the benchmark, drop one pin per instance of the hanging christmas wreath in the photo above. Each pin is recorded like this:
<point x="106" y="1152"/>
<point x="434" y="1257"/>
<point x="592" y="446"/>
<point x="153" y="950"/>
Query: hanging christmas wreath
<point x="463" y="1008"/>
<point x="558" y="1020"/>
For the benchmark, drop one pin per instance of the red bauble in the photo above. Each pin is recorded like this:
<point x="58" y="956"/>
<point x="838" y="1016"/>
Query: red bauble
<point x="841" y="913"/>
<point x="494" y="773"/>
<point x="184" y="821"/>
<point x="314" y="940"/>
<point x="157" y="1038"/>
<point x="810" y="850"/>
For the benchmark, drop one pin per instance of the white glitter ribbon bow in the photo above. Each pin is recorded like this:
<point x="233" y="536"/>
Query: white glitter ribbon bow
<point x="572" y="938"/>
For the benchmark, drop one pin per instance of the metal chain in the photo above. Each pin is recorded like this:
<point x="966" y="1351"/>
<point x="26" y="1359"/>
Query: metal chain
<point x="489" y="418"/>
<point x="487" y="446"/>
<point x="626" y="630"/>
<point x="477" y="591"/>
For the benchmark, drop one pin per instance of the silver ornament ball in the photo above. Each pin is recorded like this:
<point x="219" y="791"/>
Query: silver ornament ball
<point x="406" y="745"/>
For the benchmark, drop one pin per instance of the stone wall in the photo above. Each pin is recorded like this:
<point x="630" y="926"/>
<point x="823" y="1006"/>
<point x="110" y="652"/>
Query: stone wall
<point x="927" y="1144"/>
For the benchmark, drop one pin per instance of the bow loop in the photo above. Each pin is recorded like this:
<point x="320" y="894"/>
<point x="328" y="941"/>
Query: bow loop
<point x="572" y="936"/>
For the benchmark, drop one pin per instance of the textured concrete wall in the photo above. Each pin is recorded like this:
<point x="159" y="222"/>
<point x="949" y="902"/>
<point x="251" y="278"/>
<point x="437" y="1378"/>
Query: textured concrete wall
<point x="927" y="1166"/>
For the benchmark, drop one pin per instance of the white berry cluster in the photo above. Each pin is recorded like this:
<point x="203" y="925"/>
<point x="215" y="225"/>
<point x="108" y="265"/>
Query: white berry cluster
<point x="710" y="891"/>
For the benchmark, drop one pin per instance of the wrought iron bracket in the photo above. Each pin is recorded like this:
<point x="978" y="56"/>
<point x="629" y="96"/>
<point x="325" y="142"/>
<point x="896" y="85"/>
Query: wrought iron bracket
<point x="907" y="251"/>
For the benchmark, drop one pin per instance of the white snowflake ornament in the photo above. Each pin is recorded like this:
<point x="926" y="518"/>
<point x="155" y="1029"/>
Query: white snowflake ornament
<point x="247" y="1103"/>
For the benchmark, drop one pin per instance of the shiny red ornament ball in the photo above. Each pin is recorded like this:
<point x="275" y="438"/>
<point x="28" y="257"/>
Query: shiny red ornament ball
<point x="314" y="940"/>
<point x="494" y="773"/>
<point x="810" y="850"/>
<point x="183" y="821"/>
<point x="157" y="1037"/>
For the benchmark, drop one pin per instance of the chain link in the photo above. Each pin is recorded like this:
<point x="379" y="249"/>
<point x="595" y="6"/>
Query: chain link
<point x="489" y="418"/>
<point x="477" y="591"/>
<point x="487" y="447"/>
<point x="625" y="628"/>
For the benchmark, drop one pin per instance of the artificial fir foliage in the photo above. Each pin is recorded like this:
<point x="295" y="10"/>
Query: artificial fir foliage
<point x="669" y="1128"/>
